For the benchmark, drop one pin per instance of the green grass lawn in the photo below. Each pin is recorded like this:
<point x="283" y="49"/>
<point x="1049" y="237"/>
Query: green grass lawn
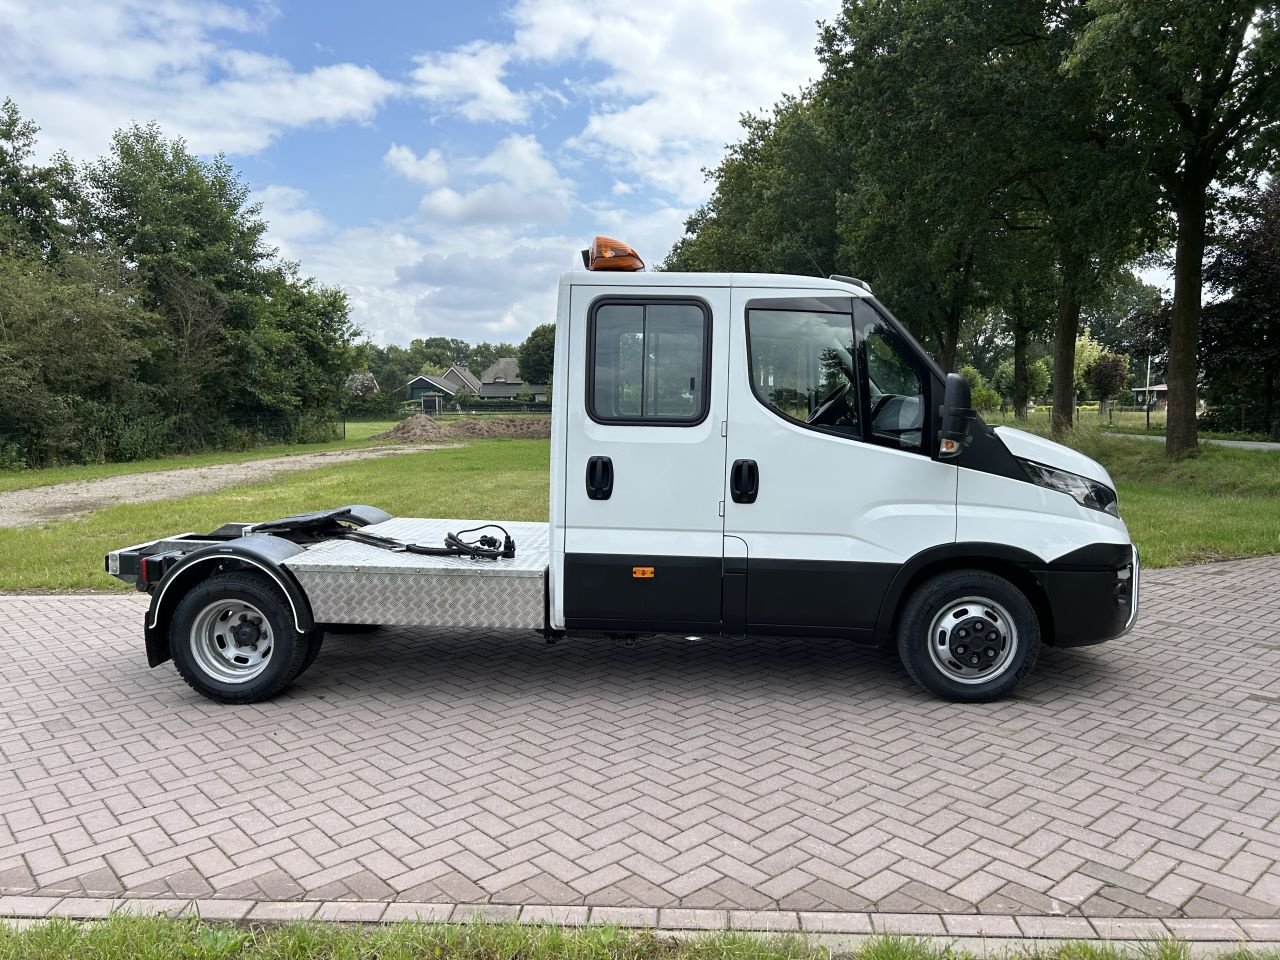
<point x="487" y="479"/>
<point x="1224" y="504"/>
<point x="358" y="432"/>
<point x="124" y="938"/>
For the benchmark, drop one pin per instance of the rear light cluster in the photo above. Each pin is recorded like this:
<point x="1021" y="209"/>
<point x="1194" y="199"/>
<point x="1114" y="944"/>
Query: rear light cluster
<point x="153" y="567"/>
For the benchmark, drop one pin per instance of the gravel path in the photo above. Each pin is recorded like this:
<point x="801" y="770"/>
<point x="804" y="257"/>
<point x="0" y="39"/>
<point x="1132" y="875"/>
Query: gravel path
<point x="61" y="501"/>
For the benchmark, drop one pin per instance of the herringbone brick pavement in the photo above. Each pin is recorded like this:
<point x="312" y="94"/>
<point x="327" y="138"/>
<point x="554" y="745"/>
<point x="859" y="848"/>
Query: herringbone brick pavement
<point x="1138" y="778"/>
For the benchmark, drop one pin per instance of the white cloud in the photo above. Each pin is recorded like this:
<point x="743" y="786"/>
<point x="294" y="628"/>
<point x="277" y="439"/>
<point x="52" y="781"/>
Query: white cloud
<point x="430" y="168"/>
<point x="469" y="80"/>
<point x="290" y="216"/>
<point x="678" y="74"/>
<point x="516" y="184"/>
<point x="82" y="70"/>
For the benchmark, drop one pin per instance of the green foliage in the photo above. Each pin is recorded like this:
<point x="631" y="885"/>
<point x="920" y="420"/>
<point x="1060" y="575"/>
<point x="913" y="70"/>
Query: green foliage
<point x="483" y="355"/>
<point x="1108" y="375"/>
<point x="537" y="354"/>
<point x="1088" y="352"/>
<point x="1038" y="374"/>
<point x="1195" y="84"/>
<point x="985" y="396"/>
<point x="141" y="312"/>
<point x="1240" y="351"/>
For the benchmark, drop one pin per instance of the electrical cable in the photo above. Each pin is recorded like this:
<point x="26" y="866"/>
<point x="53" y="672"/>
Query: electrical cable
<point x="483" y="548"/>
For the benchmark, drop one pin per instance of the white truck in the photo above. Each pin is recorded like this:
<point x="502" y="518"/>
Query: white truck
<point x="731" y="454"/>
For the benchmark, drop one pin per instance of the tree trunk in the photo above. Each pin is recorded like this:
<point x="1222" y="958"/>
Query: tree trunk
<point x="1021" y="382"/>
<point x="1184" y="333"/>
<point x="1064" y="345"/>
<point x="950" y="342"/>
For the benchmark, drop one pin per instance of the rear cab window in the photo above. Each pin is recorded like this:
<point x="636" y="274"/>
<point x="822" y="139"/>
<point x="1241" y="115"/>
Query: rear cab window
<point x="649" y="361"/>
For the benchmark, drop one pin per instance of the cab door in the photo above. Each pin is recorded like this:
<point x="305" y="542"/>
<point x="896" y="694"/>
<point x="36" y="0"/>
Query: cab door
<point x="831" y="483"/>
<point x="644" y="458"/>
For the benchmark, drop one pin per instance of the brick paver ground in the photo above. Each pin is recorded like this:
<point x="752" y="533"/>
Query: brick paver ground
<point x="1138" y="778"/>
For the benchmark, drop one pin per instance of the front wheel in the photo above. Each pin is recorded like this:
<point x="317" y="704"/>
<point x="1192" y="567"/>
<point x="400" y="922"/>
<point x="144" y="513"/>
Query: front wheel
<point x="969" y="635"/>
<point x="233" y="639"/>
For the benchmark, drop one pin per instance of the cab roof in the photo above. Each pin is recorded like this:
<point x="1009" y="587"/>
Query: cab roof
<point x="662" y="278"/>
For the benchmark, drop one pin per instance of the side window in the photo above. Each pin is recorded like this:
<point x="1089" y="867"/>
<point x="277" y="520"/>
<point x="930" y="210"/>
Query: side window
<point x="897" y="396"/>
<point x="649" y="362"/>
<point x="802" y="367"/>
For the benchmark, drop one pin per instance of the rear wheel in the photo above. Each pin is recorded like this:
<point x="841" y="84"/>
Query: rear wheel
<point x="969" y="635"/>
<point x="233" y="639"/>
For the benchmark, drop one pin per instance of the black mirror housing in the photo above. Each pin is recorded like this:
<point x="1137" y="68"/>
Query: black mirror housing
<point x="956" y="417"/>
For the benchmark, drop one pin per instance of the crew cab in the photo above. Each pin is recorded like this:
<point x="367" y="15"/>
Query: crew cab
<point x="731" y="454"/>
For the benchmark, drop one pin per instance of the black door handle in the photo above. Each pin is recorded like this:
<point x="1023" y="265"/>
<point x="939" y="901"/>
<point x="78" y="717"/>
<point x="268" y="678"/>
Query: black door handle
<point x="599" y="478"/>
<point x="744" y="481"/>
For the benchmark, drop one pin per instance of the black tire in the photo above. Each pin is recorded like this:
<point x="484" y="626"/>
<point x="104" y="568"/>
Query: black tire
<point x="352" y="628"/>
<point x="948" y="613"/>
<point x="198" y="639"/>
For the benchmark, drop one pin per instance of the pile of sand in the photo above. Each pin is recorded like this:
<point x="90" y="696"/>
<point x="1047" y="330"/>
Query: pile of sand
<point x="423" y="429"/>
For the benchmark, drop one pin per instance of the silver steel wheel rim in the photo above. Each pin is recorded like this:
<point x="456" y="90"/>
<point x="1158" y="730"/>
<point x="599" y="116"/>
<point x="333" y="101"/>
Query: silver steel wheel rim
<point x="969" y="655"/>
<point x="232" y="641"/>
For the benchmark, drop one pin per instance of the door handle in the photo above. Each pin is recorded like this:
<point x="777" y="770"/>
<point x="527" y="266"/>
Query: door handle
<point x="599" y="478"/>
<point x="744" y="481"/>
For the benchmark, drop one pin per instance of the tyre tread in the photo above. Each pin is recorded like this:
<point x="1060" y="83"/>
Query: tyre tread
<point x="928" y="677"/>
<point x="252" y="693"/>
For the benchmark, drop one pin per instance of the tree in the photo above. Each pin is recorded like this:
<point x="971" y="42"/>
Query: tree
<point x="944" y="157"/>
<point x="35" y="199"/>
<point x="537" y="354"/>
<point x="1197" y="84"/>
<point x="774" y="207"/>
<point x="1108" y="375"/>
<point x="483" y="355"/>
<point x="985" y="396"/>
<point x="141" y="311"/>
<point x="1038" y="378"/>
<point x="1240" y="348"/>
<point x="922" y="202"/>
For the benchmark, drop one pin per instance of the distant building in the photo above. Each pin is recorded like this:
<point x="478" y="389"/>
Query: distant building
<point x="1156" y="395"/>
<point x="502" y="381"/>
<point x="454" y="383"/>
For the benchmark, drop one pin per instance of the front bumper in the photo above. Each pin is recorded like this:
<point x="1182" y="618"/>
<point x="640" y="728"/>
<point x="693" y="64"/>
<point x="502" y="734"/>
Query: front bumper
<point x="1093" y="594"/>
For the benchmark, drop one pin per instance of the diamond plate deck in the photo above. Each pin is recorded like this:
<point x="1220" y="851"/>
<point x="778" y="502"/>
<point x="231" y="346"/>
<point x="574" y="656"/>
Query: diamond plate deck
<point x="350" y="582"/>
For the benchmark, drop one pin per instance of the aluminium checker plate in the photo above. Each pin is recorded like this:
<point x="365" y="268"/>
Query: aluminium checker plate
<point x="350" y="582"/>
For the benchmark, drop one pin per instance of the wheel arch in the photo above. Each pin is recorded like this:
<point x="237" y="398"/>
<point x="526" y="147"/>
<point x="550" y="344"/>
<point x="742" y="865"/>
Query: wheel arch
<point x="261" y="553"/>
<point x="1012" y="563"/>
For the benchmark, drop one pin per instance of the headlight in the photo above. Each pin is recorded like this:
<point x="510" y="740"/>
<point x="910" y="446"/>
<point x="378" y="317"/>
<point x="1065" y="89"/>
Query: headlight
<point x="1086" y="492"/>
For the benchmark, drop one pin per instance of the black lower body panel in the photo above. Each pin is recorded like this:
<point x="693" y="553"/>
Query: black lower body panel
<point x="816" y="598"/>
<point x="1091" y="594"/>
<point x="793" y="598"/>
<point x="642" y="593"/>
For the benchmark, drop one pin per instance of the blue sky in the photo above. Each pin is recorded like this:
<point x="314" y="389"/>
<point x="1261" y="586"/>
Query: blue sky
<point x="443" y="162"/>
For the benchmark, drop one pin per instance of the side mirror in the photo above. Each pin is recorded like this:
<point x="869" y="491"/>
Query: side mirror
<point x="957" y="416"/>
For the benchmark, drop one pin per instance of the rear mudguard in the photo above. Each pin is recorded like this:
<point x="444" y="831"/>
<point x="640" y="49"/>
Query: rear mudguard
<point x="258" y="551"/>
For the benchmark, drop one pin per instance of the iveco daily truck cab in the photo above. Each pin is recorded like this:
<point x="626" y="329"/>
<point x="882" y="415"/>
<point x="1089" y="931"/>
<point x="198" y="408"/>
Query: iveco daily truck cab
<point x="731" y="454"/>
